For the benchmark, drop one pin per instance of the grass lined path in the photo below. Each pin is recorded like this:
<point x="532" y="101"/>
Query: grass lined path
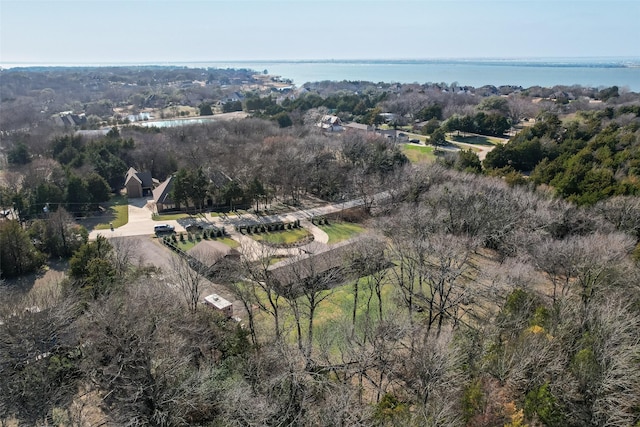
<point x="339" y="231"/>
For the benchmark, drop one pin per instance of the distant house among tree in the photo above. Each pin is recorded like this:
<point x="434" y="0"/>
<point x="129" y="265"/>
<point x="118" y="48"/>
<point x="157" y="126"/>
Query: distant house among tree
<point x="393" y="134"/>
<point x="138" y="184"/>
<point x="330" y="123"/>
<point x="235" y="96"/>
<point x="162" y="195"/>
<point x="68" y="118"/>
<point x="358" y="127"/>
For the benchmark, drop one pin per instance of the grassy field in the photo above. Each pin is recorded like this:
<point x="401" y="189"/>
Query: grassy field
<point x="117" y="213"/>
<point x="334" y="312"/>
<point x="339" y="231"/>
<point x="338" y="307"/>
<point x="285" y="237"/>
<point x="174" y="112"/>
<point x="276" y="259"/>
<point x="168" y="217"/>
<point x="418" y="153"/>
<point x="228" y="241"/>
<point x="476" y="139"/>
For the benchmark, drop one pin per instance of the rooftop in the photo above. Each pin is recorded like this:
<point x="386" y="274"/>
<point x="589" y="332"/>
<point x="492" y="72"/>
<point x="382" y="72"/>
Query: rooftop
<point x="217" y="301"/>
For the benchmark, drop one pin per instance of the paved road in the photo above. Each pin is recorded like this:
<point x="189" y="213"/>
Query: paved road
<point x="482" y="150"/>
<point x="141" y="222"/>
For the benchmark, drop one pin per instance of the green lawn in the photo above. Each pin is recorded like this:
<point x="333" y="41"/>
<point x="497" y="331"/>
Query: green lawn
<point x="117" y="213"/>
<point x="418" y="153"/>
<point x="188" y="244"/>
<point x="475" y="139"/>
<point x="276" y="259"/>
<point x="339" y="304"/>
<point x="285" y="237"/>
<point x="173" y="216"/>
<point x="228" y="241"/>
<point x="339" y="231"/>
<point x="336" y="310"/>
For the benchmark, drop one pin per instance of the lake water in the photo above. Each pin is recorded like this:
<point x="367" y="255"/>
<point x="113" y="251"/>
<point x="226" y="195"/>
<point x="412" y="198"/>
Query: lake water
<point x="174" y="122"/>
<point x="588" y="72"/>
<point x="621" y="72"/>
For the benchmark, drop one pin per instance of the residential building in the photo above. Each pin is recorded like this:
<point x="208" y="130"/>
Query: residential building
<point x="138" y="184"/>
<point x="162" y="195"/>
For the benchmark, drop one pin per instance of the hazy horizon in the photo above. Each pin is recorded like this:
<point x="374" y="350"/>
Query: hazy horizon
<point x="558" y="60"/>
<point x="192" y="31"/>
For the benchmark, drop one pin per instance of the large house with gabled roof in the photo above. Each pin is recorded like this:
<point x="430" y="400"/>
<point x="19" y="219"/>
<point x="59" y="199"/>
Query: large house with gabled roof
<point x="138" y="184"/>
<point x="162" y="195"/>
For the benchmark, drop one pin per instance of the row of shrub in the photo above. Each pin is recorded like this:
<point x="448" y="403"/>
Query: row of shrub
<point x="205" y="234"/>
<point x="321" y="220"/>
<point x="213" y="232"/>
<point x="171" y="242"/>
<point x="268" y="227"/>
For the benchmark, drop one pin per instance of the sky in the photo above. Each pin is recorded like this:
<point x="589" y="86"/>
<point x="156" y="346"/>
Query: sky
<point x="172" y="31"/>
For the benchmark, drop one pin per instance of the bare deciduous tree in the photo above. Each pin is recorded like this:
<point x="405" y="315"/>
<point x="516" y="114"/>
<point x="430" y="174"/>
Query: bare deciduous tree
<point x="38" y="364"/>
<point x="446" y="265"/>
<point x="255" y="264"/>
<point x="189" y="273"/>
<point x="152" y="364"/>
<point x="124" y="253"/>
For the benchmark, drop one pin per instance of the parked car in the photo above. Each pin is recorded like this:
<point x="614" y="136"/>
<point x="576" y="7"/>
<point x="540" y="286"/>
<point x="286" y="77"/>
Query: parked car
<point x="415" y="141"/>
<point x="163" y="228"/>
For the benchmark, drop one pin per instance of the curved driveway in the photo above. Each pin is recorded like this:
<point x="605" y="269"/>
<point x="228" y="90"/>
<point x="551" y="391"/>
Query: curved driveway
<point x="141" y="223"/>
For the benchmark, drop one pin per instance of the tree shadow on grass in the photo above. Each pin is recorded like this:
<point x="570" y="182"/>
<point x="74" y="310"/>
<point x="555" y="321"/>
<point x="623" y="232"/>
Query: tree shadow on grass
<point x="51" y="273"/>
<point x="100" y="221"/>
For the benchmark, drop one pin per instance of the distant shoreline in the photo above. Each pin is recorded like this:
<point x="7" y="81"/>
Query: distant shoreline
<point x="598" y="72"/>
<point x="595" y="62"/>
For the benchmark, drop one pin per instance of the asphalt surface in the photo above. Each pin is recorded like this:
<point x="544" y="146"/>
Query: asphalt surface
<point x="141" y="222"/>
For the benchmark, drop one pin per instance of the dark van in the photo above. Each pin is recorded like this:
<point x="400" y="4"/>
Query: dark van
<point x="163" y="228"/>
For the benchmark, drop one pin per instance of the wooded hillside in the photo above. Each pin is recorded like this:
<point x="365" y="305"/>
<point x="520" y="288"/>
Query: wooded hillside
<point x="501" y="293"/>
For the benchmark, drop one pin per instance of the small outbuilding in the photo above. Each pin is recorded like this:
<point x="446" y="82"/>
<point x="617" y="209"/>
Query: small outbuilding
<point x="220" y="304"/>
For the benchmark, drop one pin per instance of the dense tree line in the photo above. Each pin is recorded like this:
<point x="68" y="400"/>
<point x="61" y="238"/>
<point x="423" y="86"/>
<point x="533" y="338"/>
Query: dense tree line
<point x="80" y="175"/>
<point x="255" y="159"/>
<point x="584" y="160"/>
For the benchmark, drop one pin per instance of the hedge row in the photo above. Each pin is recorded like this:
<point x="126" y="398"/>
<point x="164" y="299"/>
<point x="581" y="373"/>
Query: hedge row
<point x="267" y="227"/>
